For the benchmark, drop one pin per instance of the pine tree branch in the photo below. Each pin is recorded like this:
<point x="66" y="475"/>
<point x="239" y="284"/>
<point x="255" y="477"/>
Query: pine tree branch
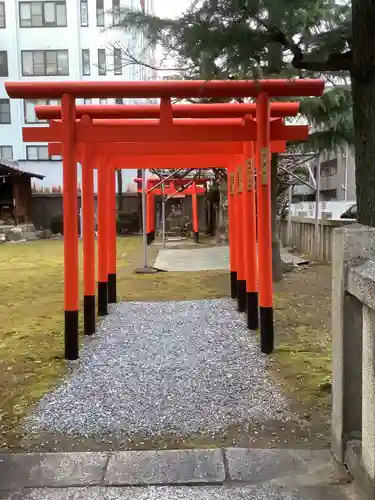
<point x="333" y="62"/>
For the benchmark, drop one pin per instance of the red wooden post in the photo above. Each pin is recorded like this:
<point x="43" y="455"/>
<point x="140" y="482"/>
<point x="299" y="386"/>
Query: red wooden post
<point x="102" y="237"/>
<point x="250" y="238"/>
<point x="112" y="234"/>
<point x="240" y="258"/>
<point x="264" y="224"/>
<point x="88" y="230"/>
<point x="152" y="216"/>
<point x="148" y="216"/>
<point x="232" y="232"/>
<point x="194" y="203"/>
<point x="70" y="211"/>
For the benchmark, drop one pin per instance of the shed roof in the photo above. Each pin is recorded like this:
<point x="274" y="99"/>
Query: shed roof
<point x="12" y="167"/>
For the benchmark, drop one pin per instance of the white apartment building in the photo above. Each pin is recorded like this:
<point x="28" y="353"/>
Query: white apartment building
<point x="61" y="40"/>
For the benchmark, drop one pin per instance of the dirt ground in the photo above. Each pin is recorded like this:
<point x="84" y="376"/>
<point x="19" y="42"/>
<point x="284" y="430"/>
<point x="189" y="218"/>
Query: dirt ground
<point x="301" y="360"/>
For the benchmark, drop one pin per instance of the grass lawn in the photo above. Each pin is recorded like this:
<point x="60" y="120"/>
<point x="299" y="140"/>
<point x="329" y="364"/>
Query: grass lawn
<point x="303" y="335"/>
<point x="31" y="330"/>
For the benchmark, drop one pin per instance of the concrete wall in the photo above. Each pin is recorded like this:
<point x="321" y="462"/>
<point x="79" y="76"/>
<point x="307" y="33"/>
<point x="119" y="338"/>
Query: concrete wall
<point x="302" y="236"/>
<point x="353" y="353"/>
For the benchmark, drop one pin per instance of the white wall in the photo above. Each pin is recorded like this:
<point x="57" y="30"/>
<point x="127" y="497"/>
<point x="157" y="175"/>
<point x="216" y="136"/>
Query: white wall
<point x="52" y="170"/>
<point x="334" y="207"/>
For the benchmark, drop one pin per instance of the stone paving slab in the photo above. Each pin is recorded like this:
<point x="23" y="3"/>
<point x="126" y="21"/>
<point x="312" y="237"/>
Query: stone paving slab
<point x="51" y="469"/>
<point x="291" y="257"/>
<point x="205" y="259"/>
<point x="289" y="468"/>
<point x="166" y="467"/>
<point x="284" y="467"/>
<point x="193" y="260"/>
<point x="187" y="493"/>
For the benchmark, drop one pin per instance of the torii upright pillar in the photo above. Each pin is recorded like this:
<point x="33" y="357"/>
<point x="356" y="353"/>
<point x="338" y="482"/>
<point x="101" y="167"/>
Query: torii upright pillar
<point x="70" y="213"/>
<point x="194" y="207"/>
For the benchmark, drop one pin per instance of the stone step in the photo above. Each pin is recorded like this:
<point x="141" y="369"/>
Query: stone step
<point x="231" y="473"/>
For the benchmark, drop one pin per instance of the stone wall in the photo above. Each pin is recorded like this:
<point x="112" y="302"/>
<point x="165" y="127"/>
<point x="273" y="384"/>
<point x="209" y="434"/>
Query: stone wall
<point x="353" y="352"/>
<point x="303" y="236"/>
<point x="25" y="232"/>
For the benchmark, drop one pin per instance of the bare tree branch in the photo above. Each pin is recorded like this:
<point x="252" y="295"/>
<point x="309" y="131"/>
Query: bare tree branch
<point x="129" y="59"/>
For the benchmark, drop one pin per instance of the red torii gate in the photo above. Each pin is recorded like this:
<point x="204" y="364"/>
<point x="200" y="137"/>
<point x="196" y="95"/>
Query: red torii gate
<point x="102" y="150"/>
<point x="71" y="134"/>
<point x="172" y="186"/>
<point x="247" y="288"/>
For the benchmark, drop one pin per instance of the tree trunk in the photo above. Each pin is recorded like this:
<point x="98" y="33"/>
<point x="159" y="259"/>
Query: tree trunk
<point x="363" y="90"/>
<point x="222" y="227"/>
<point x="277" y="267"/>
<point x="119" y="190"/>
<point x="274" y="67"/>
<point x="212" y="218"/>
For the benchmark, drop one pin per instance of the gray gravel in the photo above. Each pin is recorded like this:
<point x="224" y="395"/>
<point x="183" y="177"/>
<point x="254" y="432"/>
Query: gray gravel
<point x="185" y="493"/>
<point x="165" y="367"/>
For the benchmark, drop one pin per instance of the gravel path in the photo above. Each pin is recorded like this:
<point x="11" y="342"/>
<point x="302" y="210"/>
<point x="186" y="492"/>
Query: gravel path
<point x="166" y="367"/>
<point x="186" y="493"/>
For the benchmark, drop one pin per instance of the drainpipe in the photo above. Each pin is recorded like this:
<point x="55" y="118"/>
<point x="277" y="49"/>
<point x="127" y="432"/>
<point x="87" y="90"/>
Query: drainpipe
<point x="346" y="172"/>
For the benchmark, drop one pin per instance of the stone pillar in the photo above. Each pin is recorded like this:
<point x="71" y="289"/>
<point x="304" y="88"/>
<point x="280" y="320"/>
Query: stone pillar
<point x="368" y="392"/>
<point x="350" y="244"/>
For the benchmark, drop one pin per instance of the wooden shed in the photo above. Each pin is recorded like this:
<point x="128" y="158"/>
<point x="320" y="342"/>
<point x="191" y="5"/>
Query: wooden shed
<point x="15" y="192"/>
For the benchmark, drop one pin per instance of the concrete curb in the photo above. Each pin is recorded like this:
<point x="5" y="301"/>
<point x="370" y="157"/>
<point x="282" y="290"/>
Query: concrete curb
<point x="170" y="467"/>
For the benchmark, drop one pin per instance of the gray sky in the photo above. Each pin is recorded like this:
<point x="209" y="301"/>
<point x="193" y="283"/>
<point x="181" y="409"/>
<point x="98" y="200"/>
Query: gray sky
<point x="53" y="173"/>
<point x="170" y="8"/>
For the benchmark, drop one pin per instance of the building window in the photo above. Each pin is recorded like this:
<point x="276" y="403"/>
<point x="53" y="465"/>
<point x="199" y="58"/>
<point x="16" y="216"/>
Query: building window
<point x="116" y="12"/>
<point x="45" y="62"/>
<point x="119" y="100"/>
<point x="87" y="100"/>
<point x="103" y="100"/>
<point x="6" y="152"/>
<point x="85" y="62"/>
<point x="117" y="59"/>
<point x="2" y="15"/>
<point x="102" y="64"/>
<point x="328" y="168"/>
<point x="28" y="109"/>
<point x="84" y="13"/>
<point x="3" y="63"/>
<point x="5" y="111"/>
<point x="37" y="153"/>
<point x="329" y="194"/>
<point x="100" y="12"/>
<point x="42" y="14"/>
